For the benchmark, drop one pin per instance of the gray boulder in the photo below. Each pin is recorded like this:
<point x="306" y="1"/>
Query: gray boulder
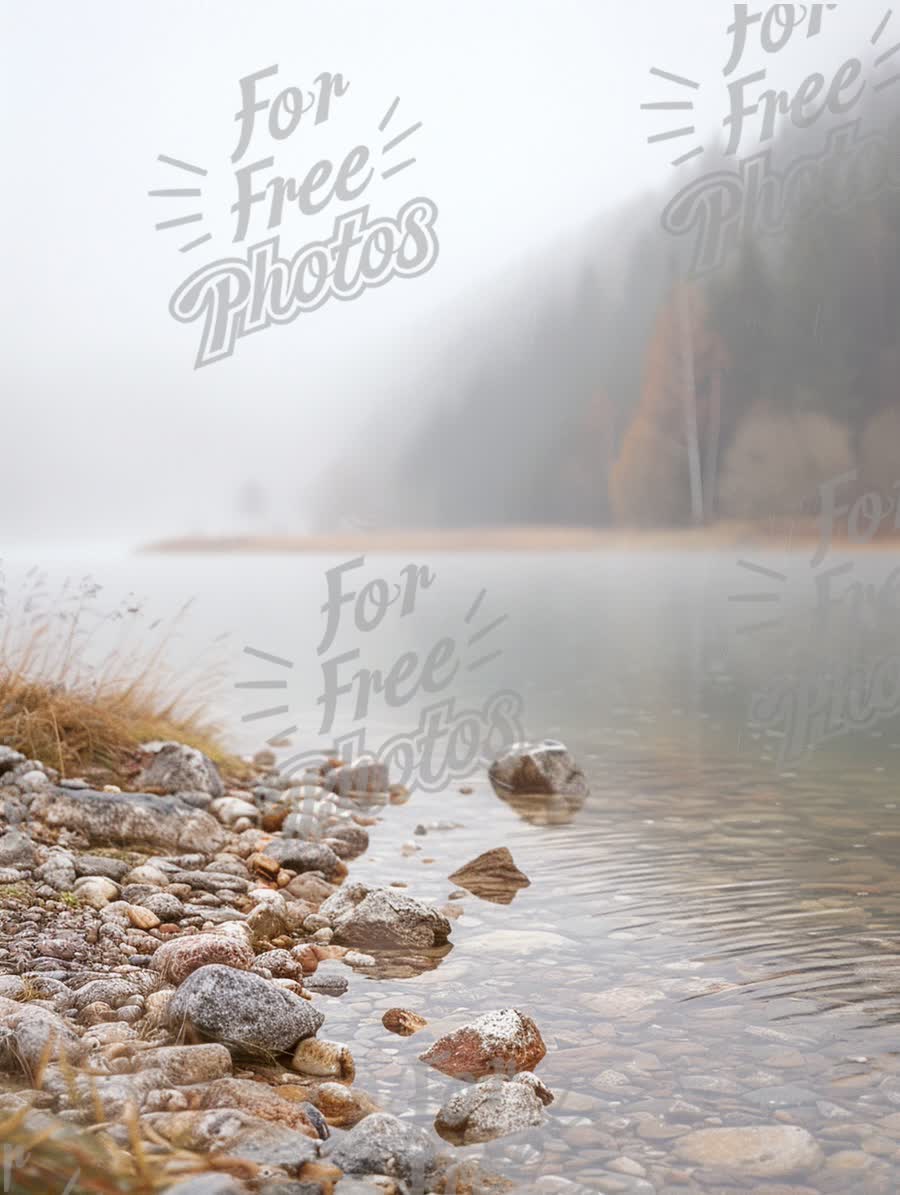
<point x="384" y="1144"/>
<point x="175" y="768"/>
<point x="545" y="768"/>
<point x="243" y="1011"/>
<point x="57" y="870"/>
<point x="208" y="1184"/>
<point x="120" y="819"/>
<point x="99" y="865"/>
<point x="363" y="775"/>
<point x="236" y="1133"/>
<point x="16" y="849"/>
<point x="31" y="1035"/>
<point x="496" y="1107"/>
<point x="348" y="841"/>
<point x="9" y="759"/>
<point x="362" y="916"/>
<point x="301" y="856"/>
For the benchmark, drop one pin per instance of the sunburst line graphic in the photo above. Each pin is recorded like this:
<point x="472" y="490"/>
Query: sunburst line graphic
<point x="258" y="715"/>
<point x="473" y="609"/>
<point x="885" y="21"/>
<point x="279" y="711"/>
<point x="887" y="55"/>
<point x="181" y="193"/>
<point x="268" y="657"/>
<point x="389" y="146"/>
<point x="759" y="598"/>
<point x="278" y="739"/>
<point x="674" y="106"/>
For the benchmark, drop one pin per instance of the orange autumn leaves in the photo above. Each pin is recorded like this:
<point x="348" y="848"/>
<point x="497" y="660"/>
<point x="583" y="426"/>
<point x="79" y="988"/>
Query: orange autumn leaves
<point x="676" y="424"/>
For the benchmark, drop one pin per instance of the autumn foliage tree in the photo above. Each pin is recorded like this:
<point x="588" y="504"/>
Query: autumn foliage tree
<point x="670" y="449"/>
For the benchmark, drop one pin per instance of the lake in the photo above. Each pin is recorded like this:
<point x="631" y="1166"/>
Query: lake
<point x="712" y="939"/>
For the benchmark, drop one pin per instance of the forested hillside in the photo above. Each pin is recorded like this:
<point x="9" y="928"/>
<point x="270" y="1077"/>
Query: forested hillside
<point x="618" y="389"/>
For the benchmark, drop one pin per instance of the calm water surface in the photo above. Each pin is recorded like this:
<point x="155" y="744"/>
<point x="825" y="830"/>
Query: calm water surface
<point x="713" y="938"/>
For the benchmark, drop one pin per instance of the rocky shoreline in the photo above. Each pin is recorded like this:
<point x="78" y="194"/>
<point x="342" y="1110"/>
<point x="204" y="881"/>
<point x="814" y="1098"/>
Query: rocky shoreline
<point x="160" y="981"/>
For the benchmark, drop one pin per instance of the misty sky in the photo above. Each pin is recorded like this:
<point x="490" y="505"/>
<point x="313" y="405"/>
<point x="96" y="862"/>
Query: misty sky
<point x="531" y="127"/>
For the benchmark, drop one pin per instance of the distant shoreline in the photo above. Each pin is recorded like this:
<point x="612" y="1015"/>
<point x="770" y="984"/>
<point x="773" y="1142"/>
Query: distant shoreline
<point x="770" y="534"/>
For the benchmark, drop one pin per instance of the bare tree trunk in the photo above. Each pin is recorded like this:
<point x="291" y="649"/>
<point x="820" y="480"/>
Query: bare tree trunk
<point x="689" y="396"/>
<point x="710" y="472"/>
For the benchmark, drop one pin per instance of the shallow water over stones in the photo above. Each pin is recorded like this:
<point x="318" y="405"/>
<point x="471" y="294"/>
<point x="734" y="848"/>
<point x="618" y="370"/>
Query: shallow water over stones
<point x="707" y="942"/>
<point x="690" y="968"/>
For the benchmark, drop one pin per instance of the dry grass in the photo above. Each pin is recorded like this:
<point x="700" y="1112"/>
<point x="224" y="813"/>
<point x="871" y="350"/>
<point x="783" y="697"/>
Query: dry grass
<point x="81" y="687"/>
<point x="49" y="1156"/>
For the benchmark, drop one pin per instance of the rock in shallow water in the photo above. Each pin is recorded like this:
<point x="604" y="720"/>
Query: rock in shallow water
<point x="403" y="1021"/>
<point x="492" y="876"/>
<point x="760" y="1151"/>
<point x="368" y="917"/>
<point x="498" y="1043"/>
<point x="493" y="1108"/>
<point x="545" y="767"/>
<point x="383" y="1144"/>
<point x="243" y="1011"/>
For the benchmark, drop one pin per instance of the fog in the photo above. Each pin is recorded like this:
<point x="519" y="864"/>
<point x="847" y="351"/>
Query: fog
<point x="532" y="146"/>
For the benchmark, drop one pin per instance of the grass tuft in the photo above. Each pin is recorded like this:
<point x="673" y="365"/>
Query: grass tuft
<point x="81" y="687"/>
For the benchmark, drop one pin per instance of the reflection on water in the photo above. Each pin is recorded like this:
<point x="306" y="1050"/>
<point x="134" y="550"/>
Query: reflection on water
<point x="708" y="939"/>
<point x="542" y="809"/>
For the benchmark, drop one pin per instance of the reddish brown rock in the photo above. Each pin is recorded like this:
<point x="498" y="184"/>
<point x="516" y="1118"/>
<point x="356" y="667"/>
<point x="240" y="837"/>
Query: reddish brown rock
<point x="306" y="956"/>
<point x="311" y="888"/>
<point x="178" y="959"/>
<point x="341" y="1106"/>
<point x="503" y="1042"/>
<point x="256" y="1098"/>
<point x="402" y="1021"/>
<point x="492" y="876"/>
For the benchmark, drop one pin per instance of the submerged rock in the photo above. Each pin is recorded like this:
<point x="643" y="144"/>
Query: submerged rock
<point x="362" y="916"/>
<point x="493" y="1108"/>
<point x="758" y="1151"/>
<point x="243" y="1011"/>
<point x="402" y="1021"/>
<point x="545" y="767"/>
<point x="502" y="1042"/>
<point x="383" y="1144"/>
<point x="120" y="819"/>
<point x="175" y="768"/>
<point x="492" y="876"/>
